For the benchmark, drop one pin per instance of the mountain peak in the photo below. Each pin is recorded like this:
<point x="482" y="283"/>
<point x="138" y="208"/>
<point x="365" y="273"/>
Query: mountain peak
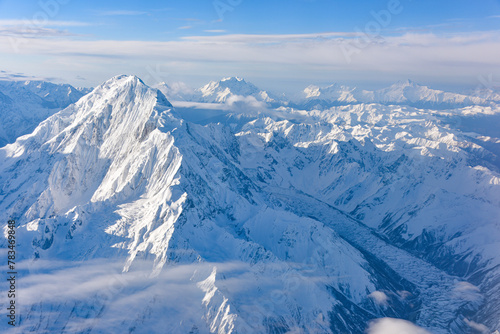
<point x="406" y="83"/>
<point x="401" y="92"/>
<point x="219" y="91"/>
<point x="309" y="207"/>
<point x="233" y="79"/>
<point x="121" y="107"/>
<point x="127" y="88"/>
<point x="124" y="79"/>
<point x="119" y="111"/>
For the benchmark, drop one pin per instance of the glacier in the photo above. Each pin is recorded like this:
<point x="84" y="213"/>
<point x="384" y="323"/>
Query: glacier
<point x="227" y="210"/>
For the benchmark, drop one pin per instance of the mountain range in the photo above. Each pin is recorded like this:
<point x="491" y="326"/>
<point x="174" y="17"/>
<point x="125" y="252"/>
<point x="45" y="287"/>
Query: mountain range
<point x="24" y="104"/>
<point x="135" y="218"/>
<point x="405" y="92"/>
<point x="401" y="93"/>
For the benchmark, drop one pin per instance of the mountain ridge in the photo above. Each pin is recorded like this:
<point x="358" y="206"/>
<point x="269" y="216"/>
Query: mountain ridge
<point x="403" y="92"/>
<point x="24" y="104"/>
<point x="121" y="176"/>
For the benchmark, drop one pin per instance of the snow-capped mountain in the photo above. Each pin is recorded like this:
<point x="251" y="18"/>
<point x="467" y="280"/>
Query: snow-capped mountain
<point x="487" y="94"/>
<point x="178" y="91"/>
<point x="401" y="93"/>
<point x="411" y="93"/>
<point x="232" y="88"/>
<point x="292" y="221"/>
<point x="84" y="90"/>
<point x="23" y="105"/>
<point x="56" y="95"/>
<point x="333" y="95"/>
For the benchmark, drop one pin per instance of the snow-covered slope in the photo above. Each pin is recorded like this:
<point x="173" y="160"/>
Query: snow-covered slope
<point x="292" y="221"/>
<point x="487" y="94"/>
<point x="56" y="95"/>
<point x="401" y="93"/>
<point x="232" y="88"/>
<point x="23" y="105"/>
<point x="178" y="91"/>
<point x="411" y="93"/>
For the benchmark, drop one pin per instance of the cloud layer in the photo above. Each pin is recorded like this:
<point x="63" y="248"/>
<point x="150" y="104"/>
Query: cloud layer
<point x="97" y="295"/>
<point x="338" y="55"/>
<point x="394" y="326"/>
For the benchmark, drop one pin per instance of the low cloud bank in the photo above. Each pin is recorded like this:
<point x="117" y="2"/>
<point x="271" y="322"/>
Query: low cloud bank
<point x="394" y="326"/>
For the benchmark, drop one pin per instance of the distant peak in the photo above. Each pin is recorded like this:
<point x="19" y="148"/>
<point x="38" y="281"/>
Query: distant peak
<point x="406" y="83"/>
<point x="126" y="77"/>
<point x="233" y="79"/>
<point x="124" y="80"/>
<point x="120" y="77"/>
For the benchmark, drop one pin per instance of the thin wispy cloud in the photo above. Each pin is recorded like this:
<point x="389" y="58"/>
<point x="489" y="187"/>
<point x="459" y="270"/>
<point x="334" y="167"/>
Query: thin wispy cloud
<point x="216" y="31"/>
<point x="271" y="38"/>
<point x="187" y="293"/>
<point x="101" y="286"/>
<point x="185" y="27"/>
<point x="478" y="328"/>
<point x="405" y="54"/>
<point x="17" y="76"/>
<point x="32" y="32"/>
<point x="42" y="23"/>
<point x="429" y="27"/>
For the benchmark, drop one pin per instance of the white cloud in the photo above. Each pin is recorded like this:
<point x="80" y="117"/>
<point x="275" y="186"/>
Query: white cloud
<point x="97" y="295"/>
<point x="269" y="38"/>
<point x="32" y="32"/>
<point x="394" y="326"/>
<point x="179" y="88"/>
<point x="379" y="297"/>
<point x="244" y="103"/>
<point x="465" y="287"/>
<point x="41" y="23"/>
<point x="12" y="76"/>
<point x="467" y="291"/>
<point x="32" y="29"/>
<point x="478" y="328"/>
<point x="215" y="31"/>
<point x="423" y="57"/>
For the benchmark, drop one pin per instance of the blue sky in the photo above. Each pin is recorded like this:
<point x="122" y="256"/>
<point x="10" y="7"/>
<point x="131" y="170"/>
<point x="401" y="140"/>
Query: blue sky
<point x="280" y="45"/>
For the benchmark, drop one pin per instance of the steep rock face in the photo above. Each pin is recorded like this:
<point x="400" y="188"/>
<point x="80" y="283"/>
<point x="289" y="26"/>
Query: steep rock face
<point x="257" y="221"/>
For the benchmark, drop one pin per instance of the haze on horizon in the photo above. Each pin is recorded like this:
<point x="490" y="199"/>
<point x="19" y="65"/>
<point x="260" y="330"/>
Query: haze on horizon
<point x="446" y="44"/>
